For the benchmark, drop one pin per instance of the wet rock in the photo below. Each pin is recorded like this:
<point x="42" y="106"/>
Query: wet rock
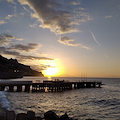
<point x="50" y="115"/>
<point x="10" y="115"/>
<point x="89" y="119"/>
<point x="38" y="118"/>
<point x="21" y="116"/>
<point x="30" y="115"/>
<point x="2" y="117"/>
<point x="64" y="117"/>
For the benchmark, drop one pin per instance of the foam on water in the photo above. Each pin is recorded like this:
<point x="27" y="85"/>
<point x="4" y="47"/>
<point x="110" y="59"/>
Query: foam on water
<point x="4" y="101"/>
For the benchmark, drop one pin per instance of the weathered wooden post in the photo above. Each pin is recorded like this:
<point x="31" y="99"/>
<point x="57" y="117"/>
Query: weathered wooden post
<point x="27" y="88"/>
<point x="94" y="84"/>
<point x="19" y="88"/>
<point x="88" y="84"/>
<point x="2" y="88"/>
<point x="99" y="84"/>
<point x="75" y="86"/>
<point x="11" y="88"/>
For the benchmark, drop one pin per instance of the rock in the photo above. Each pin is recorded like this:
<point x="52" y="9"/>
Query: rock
<point x="89" y="119"/>
<point x="30" y="115"/>
<point x="50" y="115"/>
<point x="38" y="118"/>
<point x="64" y="117"/>
<point x="10" y="115"/>
<point x="21" y="116"/>
<point x="2" y="117"/>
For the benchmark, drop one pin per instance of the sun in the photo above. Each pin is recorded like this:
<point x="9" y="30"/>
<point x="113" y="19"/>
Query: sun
<point x="54" y="68"/>
<point x="51" y="71"/>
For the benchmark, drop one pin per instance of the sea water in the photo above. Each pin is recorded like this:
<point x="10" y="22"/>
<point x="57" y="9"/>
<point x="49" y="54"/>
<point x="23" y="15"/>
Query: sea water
<point x="85" y="103"/>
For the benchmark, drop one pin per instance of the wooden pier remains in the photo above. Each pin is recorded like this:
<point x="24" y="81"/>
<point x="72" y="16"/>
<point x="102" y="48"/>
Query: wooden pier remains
<point x="46" y="86"/>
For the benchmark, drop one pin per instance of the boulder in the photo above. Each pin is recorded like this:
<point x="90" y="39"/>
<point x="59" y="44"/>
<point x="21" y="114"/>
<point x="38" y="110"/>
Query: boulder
<point x="38" y="118"/>
<point x="64" y="117"/>
<point x="2" y="117"/>
<point x="10" y="115"/>
<point x="30" y="115"/>
<point x="89" y="119"/>
<point x="50" y="115"/>
<point x="21" y="116"/>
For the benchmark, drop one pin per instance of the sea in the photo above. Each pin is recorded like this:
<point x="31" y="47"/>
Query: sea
<point x="84" y="103"/>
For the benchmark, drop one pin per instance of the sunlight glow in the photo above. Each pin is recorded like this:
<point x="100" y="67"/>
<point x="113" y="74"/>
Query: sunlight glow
<point x="51" y="71"/>
<point x="55" y="68"/>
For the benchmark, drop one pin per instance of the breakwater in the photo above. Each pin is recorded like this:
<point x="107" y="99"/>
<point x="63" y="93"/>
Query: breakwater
<point x="46" y="86"/>
<point x="30" y="115"/>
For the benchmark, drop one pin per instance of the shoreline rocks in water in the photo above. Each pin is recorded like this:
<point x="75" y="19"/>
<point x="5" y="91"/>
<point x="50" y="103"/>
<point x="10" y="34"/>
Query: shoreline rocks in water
<point x="30" y="115"/>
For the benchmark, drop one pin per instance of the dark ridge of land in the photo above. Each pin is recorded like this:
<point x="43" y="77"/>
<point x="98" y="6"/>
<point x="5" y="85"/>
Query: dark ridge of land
<point x="11" y="68"/>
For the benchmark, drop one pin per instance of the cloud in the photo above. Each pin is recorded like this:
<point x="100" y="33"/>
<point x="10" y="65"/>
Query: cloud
<point x="97" y="42"/>
<point x="30" y="57"/>
<point x="108" y="16"/>
<point x="70" y="42"/>
<point x="94" y="38"/>
<point x="4" y="50"/>
<point x="5" y="39"/>
<point x="33" y="25"/>
<point x="11" y="1"/>
<point x="20" y="57"/>
<point x="26" y="48"/>
<point x="75" y="3"/>
<point x="9" y="16"/>
<point x="2" y="22"/>
<point x="41" y="67"/>
<point x="9" y="37"/>
<point x="7" y="48"/>
<point x="58" y="16"/>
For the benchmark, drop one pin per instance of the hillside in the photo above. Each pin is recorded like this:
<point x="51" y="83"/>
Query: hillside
<point x="10" y="68"/>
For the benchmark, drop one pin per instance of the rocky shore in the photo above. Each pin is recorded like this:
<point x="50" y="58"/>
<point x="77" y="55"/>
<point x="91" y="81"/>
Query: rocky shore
<point x="12" y="69"/>
<point x="30" y="115"/>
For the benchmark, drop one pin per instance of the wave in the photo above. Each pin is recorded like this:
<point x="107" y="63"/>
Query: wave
<point x="4" y="101"/>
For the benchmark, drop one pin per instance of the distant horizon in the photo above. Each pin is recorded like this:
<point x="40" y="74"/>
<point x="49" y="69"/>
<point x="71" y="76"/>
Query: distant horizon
<point x="77" y="77"/>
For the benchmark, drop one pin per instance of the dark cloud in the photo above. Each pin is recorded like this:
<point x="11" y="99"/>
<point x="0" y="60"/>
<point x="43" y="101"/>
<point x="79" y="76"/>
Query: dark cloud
<point x="5" y="39"/>
<point x="26" y="48"/>
<point x="9" y="37"/>
<point x="19" y="56"/>
<point x="25" y="57"/>
<point x="4" y="50"/>
<point x="60" y="16"/>
<point x="7" y="48"/>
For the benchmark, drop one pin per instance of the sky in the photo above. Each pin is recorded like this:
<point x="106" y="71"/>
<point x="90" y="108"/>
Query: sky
<point x="64" y="38"/>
